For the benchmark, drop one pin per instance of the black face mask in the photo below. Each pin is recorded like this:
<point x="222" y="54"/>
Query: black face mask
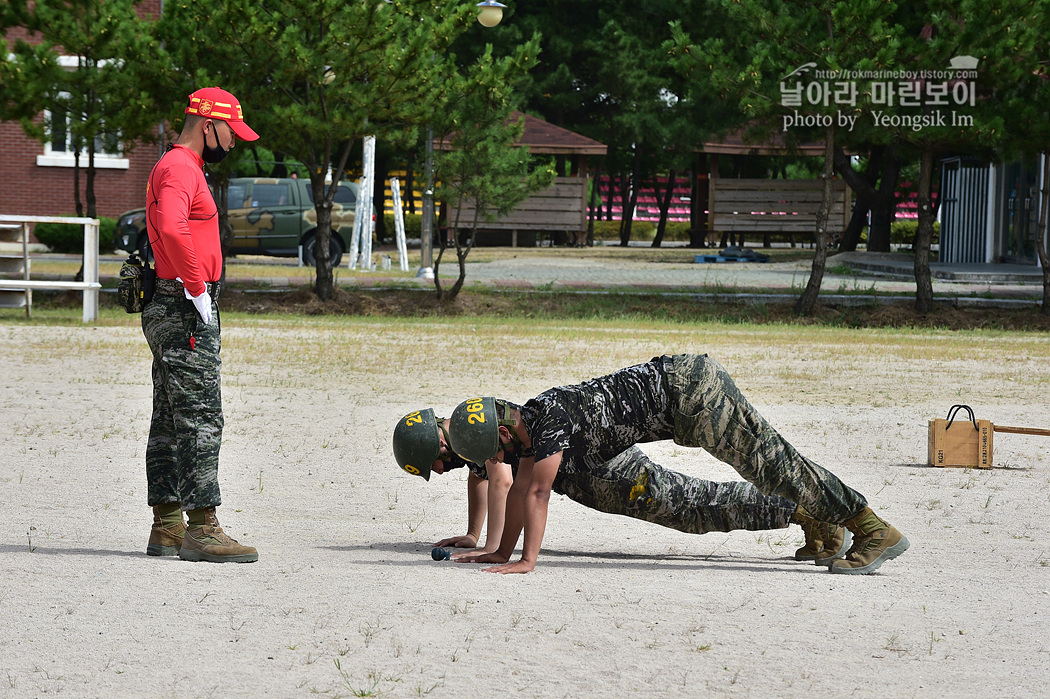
<point x="216" y="154"/>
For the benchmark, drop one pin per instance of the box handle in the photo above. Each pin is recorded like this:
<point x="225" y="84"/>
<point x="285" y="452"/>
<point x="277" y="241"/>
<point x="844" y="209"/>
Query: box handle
<point x="954" y="409"/>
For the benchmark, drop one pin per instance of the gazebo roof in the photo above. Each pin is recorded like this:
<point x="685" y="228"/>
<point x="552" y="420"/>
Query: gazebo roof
<point x="733" y="143"/>
<point x="545" y="138"/>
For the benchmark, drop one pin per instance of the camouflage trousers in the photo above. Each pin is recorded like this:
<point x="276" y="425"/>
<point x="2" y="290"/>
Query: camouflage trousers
<point x="631" y="484"/>
<point x="710" y="412"/>
<point x="182" y="454"/>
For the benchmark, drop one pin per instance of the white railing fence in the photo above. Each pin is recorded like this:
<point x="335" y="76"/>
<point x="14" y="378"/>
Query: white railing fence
<point x="89" y="286"/>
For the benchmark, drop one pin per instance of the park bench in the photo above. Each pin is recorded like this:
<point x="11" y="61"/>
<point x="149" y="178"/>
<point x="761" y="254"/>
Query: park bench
<point x="781" y="208"/>
<point x="561" y="208"/>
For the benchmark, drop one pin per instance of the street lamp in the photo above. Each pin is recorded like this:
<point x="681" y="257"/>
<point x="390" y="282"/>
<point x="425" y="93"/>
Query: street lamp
<point x="489" y="15"/>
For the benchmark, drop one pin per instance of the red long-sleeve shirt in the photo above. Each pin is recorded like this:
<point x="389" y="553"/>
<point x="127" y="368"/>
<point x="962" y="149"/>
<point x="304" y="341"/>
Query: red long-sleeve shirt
<point x="183" y="221"/>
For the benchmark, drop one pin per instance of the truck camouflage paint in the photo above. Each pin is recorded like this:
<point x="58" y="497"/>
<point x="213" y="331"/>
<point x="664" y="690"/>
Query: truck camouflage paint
<point x="270" y="216"/>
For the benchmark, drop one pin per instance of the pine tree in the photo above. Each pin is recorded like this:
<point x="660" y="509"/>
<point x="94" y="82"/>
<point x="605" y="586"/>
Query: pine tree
<point x="785" y="40"/>
<point x="482" y="166"/>
<point x="316" y="76"/>
<point x="97" y="102"/>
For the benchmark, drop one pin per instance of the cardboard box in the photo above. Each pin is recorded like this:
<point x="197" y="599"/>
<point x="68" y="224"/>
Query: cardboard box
<point x="960" y="444"/>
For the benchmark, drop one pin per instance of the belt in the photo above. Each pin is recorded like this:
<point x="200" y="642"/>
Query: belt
<point x="173" y="287"/>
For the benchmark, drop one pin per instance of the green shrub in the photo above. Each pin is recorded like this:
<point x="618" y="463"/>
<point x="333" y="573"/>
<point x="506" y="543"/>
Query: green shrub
<point x="413" y="226"/>
<point x="610" y="230"/>
<point x="606" y="230"/>
<point x="69" y="238"/>
<point x="642" y="230"/>
<point x="677" y="231"/>
<point x="902" y="232"/>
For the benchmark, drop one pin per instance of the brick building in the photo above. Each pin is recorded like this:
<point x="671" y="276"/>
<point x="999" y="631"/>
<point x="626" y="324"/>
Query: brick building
<point x="38" y="177"/>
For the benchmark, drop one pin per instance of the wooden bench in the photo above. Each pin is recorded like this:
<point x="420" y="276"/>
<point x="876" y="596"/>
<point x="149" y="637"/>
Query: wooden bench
<point x="561" y="208"/>
<point x="773" y="207"/>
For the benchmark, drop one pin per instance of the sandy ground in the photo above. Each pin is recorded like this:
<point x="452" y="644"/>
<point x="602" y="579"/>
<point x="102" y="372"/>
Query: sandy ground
<point x="345" y="600"/>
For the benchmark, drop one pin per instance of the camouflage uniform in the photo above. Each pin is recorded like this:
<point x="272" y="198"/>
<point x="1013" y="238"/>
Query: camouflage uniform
<point x="692" y="400"/>
<point x="182" y="454"/>
<point x="631" y="484"/>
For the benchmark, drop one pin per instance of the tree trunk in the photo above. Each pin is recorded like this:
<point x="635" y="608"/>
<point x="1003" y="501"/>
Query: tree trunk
<point x="806" y="302"/>
<point x="884" y="204"/>
<point x="78" y="204"/>
<point x="627" y="215"/>
<point x="608" y="198"/>
<point x="863" y="185"/>
<point x="594" y="206"/>
<point x="625" y="209"/>
<point x="699" y="193"/>
<point x="324" y="285"/>
<point x="438" y="289"/>
<point x="857" y="220"/>
<point x="280" y="168"/>
<point x="89" y="183"/>
<point x="410" y="180"/>
<point x="924" y="235"/>
<point x="79" y="276"/>
<point x="461" y="256"/>
<point x="883" y="209"/>
<point x="221" y="182"/>
<point x="884" y="169"/>
<point x="1044" y="204"/>
<point x="665" y="205"/>
<point x="89" y="194"/>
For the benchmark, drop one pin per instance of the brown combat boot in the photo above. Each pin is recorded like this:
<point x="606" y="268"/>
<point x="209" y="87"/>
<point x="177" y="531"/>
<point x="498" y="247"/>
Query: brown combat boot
<point x="875" y="541"/>
<point x="824" y="541"/>
<point x="165" y="537"/>
<point x="814" y="532"/>
<point x="209" y="543"/>
<point x="837" y="540"/>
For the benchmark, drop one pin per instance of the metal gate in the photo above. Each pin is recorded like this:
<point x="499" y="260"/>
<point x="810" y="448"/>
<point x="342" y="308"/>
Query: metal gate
<point x="964" y="211"/>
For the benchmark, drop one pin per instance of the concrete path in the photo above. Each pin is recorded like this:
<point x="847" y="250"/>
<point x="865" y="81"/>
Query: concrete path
<point x="850" y="278"/>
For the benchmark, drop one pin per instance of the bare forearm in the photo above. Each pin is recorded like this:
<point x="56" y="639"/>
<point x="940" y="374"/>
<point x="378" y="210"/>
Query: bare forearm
<point x="513" y="522"/>
<point x="529" y="511"/>
<point x="498" y="491"/>
<point x="536" y="503"/>
<point x="477" y="505"/>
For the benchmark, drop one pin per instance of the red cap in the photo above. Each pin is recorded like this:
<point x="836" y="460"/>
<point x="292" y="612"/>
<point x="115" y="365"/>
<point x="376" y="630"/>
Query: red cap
<point x="216" y="103"/>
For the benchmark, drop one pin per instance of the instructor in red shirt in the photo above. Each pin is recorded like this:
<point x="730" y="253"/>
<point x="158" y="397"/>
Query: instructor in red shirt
<point x="181" y="325"/>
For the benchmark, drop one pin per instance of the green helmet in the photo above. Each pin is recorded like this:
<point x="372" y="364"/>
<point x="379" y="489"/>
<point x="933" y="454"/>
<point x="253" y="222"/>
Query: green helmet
<point x="416" y="442"/>
<point x="473" y="429"/>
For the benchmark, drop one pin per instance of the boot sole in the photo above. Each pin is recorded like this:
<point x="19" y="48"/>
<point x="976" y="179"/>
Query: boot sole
<point x="847" y="541"/>
<point x="197" y="556"/>
<point x="888" y="555"/>
<point x="158" y="550"/>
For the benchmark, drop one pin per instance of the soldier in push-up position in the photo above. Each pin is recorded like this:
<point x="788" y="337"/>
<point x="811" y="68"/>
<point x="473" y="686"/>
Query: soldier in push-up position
<point x="688" y="398"/>
<point x="628" y="484"/>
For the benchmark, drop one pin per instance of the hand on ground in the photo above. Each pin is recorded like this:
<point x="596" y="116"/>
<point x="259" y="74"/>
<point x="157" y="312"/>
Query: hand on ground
<point x="458" y="542"/>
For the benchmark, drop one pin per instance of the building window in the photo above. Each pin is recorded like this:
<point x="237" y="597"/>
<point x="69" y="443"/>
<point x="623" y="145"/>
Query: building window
<point x="59" y="150"/>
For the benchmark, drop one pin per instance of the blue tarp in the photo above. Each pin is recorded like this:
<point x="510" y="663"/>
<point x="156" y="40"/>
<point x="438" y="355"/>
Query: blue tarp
<point x="733" y="254"/>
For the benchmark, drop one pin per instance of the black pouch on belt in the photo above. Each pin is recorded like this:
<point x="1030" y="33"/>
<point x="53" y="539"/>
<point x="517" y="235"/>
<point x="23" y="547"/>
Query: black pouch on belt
<point x="136" y="285"/>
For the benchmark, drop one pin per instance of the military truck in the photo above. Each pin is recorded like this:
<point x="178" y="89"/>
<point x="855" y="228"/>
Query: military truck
<point x="270" y="216"/>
